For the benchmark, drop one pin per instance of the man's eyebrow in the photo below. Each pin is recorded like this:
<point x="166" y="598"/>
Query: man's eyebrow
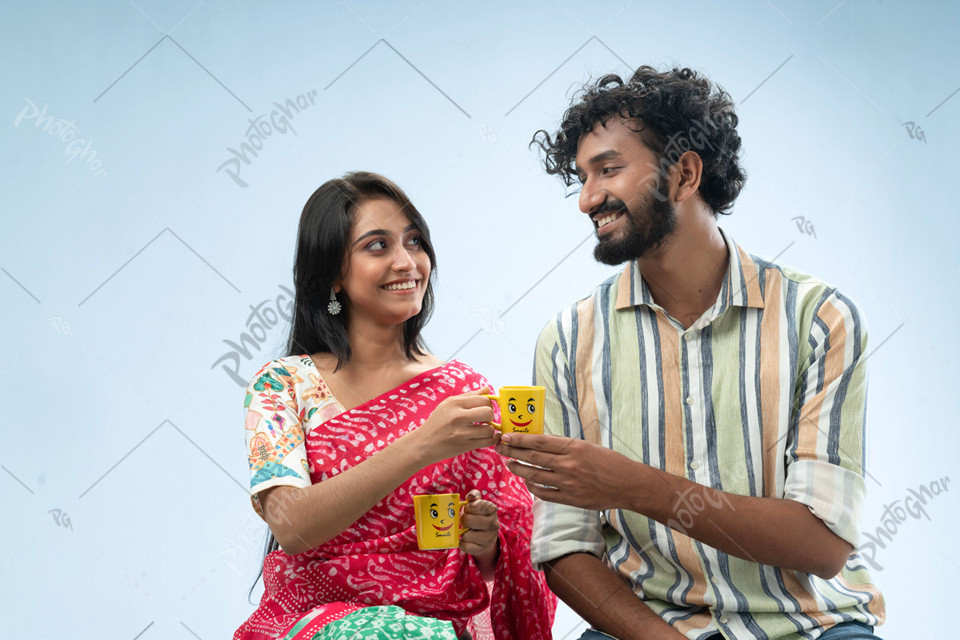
<point x="603" y="156"/>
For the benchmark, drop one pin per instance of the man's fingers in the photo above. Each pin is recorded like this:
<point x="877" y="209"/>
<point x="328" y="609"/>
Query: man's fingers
<point x="533" y="474"/>
<point x="539" y="441"/>
<point x="530" y="456"/>
<point x="550" y="494"/>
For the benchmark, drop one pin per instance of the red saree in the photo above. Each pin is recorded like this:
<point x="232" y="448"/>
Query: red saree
<point x="376" y="561"/>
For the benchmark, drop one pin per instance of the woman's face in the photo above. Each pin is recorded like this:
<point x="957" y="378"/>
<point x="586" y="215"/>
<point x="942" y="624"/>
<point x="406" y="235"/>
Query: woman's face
<point x="386" y="269"/>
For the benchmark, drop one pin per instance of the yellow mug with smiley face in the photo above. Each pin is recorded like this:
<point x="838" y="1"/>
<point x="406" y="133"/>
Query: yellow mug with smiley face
<point x="521" y="409"/>
<point x="438" y="520"/>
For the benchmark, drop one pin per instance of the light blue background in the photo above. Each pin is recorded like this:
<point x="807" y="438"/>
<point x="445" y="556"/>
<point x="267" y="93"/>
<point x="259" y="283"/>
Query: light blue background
<point x="119" y="289"/>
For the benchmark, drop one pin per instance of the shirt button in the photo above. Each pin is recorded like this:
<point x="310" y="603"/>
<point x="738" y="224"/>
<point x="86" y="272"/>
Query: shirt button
<point x="688" y="337"/>
<point x="696" y="465"/>
<point x="714" y="579"/>
<point x="689" y="400"/>
<point x="724" y="620"/>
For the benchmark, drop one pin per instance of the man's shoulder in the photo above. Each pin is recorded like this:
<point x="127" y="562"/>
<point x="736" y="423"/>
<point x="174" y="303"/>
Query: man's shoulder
<point x="807" y="286"/>
<point x="567" y="321"/>
<point x="602" y="292"/>
<point x="807" y="292"/>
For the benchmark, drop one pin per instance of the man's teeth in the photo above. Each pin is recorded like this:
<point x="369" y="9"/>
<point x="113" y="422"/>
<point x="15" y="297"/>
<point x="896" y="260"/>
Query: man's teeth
<point x="605" y="220"/>
<point x="403" y="285"/>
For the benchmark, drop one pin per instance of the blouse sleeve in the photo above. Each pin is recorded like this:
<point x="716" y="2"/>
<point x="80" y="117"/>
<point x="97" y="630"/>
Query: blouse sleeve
<point x="274" y="433"/>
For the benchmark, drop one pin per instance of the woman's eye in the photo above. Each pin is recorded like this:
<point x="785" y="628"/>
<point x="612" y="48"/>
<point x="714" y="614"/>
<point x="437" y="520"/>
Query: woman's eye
<point x="415" y="241"/>
<point x="377" y="245"/>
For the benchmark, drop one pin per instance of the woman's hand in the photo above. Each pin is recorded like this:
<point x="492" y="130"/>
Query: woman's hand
<point x="451" y="429"/>
<point x="481" y="540"/>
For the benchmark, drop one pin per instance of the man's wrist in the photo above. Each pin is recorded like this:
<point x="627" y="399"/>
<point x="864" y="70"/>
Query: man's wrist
<point x="651" y="492"/>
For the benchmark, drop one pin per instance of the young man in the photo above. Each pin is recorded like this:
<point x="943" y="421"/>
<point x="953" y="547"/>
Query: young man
<point x="702" y="471"/>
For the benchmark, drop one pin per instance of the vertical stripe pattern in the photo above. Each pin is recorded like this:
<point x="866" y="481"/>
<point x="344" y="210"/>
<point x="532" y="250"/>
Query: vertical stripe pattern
<point x="764" y="395"/>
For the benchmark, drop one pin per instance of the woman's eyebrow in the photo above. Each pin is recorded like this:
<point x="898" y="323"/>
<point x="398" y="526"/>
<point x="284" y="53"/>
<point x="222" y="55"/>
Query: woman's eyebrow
<point x="374" y="232"/>
<point x="383" y="232"/>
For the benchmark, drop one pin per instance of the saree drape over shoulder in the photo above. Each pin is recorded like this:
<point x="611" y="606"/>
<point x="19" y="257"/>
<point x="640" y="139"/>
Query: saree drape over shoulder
<point x="298" y="435"/>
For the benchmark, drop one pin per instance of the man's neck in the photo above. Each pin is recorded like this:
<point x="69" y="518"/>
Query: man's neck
<point x="686" y="273"/>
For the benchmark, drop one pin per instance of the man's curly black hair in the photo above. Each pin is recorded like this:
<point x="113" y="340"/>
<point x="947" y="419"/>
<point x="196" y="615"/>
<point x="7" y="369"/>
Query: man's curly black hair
<point x="679" y="110"/>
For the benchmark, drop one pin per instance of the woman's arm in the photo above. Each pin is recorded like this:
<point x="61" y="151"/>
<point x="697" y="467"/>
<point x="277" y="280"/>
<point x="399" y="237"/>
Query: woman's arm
<point x="303" y="518"/>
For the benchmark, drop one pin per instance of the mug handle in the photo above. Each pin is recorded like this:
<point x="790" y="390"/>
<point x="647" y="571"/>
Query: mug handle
<point x="495" y="425"/>
<point x="460" y="505"/>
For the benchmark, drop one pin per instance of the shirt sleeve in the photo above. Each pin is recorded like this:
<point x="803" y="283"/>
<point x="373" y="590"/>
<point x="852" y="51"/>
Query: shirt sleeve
<point x="559" y="530"/>
<point x="274" y="433"/>
<point x="825" y="446"/>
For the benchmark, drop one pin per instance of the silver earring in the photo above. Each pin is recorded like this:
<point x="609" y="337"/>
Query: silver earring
<point x="333" y="307"/>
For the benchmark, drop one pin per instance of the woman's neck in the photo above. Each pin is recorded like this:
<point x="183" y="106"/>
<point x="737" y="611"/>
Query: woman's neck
<point x="374" y="346"/>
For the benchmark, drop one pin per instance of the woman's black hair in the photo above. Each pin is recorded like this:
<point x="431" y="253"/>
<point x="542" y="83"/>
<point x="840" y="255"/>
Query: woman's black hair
<point x="323" y="238"/>
<point x="679" y="110"/>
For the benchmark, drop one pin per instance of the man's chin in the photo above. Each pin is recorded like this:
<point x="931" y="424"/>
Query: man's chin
<point x="613" y="254"/>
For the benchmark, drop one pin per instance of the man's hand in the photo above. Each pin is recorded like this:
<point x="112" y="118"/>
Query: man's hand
<point x="573" y="472"/>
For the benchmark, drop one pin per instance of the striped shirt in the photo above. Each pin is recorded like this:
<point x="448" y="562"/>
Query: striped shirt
<point x="764" y="395"/>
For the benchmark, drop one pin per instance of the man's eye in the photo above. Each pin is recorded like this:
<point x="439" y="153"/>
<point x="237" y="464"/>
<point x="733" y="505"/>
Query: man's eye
<point x="606" y="170"/>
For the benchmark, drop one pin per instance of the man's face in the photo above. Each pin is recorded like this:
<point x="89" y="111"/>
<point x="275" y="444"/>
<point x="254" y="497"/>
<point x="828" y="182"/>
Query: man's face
<point x="623" y="193"/>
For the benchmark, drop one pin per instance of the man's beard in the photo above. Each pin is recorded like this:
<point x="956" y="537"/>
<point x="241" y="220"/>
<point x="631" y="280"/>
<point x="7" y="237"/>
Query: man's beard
<point x="645" y="228"/>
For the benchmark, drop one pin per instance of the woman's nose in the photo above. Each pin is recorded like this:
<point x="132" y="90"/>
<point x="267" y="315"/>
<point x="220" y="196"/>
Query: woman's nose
<point x="402" y="260"/>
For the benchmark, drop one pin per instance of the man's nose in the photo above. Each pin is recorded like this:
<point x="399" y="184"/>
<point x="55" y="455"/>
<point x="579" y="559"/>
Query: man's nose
<point x="590" y="197"/>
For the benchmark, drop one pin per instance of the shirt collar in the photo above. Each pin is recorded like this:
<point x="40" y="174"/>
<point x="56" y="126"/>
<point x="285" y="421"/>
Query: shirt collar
<point x="740" y="288"/>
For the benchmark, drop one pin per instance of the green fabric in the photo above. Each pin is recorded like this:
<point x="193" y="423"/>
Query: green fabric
<point x="385" y="623"/>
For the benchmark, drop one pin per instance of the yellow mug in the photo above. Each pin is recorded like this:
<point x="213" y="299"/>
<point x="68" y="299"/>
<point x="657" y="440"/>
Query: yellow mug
<point x="438" y="520"/>
<point x="521" y="409"/>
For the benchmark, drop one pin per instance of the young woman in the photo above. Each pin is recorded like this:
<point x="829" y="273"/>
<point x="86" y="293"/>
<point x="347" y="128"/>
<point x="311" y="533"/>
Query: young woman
<point x="359" y="418"/>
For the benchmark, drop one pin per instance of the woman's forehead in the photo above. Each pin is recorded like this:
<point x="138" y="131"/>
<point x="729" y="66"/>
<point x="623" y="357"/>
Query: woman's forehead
<point x="379" y="213"/>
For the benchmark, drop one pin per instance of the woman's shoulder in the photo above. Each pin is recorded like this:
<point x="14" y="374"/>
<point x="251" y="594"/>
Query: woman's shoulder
<point x="282" y="370"/>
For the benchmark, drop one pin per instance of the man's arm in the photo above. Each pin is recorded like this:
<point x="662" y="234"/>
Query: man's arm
<point x="779" y="532"/>
<point x="601" y="598"/>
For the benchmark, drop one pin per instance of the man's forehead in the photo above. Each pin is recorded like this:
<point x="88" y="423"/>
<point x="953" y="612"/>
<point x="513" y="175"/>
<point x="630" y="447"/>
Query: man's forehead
<point x="612" y="135"/>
